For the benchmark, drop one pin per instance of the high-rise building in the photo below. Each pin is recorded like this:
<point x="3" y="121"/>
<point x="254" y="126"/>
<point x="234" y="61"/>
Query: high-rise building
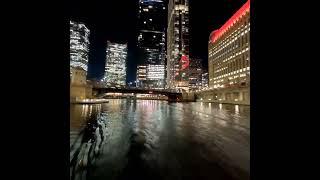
<point x="151" y="44"/>
<point x="79" y="45"/>
<point x="141" y="75"/>
<point x="229" y="51"/>
<point x="178" y="44"/>
<point x="229" y="59"/>
<point x="115" y="69"/>
<point x="204" y="80"/>
<point x="195" y="74"/>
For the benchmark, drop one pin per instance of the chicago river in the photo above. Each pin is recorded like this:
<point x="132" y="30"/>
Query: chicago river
<point x="149" y="139"/>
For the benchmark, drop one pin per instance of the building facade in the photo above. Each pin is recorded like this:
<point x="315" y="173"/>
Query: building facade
<point x="79" y="86"/>
<point x="115" y="68"/>
<point x="205" y="80"/>
<point x="178" y="44"/>
<point x="151" y="44"/>
<point x="229" y="51"/>
<point x="195" y="74"/>
<point x="229" y="58"/>
<point x="141" y="75"/>
<point x="79" y="45"/>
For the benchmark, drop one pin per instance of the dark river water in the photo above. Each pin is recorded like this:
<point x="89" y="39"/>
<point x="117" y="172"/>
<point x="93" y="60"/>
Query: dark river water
<point x="145" y="139"/>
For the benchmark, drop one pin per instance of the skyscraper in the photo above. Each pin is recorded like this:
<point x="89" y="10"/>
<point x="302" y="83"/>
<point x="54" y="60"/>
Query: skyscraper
<point x="79" y="45"/>
<point x="229" y="58"/>
<point x="205" y="77"/>
<point x="178" y="44"/>
<point x="229" y="51"/>
<point x="195" y="74"/>
<point x="115" y="69"/>
<point x="151" y="44"/>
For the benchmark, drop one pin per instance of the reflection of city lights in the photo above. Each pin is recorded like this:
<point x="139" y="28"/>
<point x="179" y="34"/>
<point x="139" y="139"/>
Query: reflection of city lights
<point x="236" y="108"/>
<point x="222" y="122"/>
<point x="220" y="106"/>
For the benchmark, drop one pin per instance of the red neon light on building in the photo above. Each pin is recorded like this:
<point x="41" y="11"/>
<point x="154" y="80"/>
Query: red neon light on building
<point x="219" y="32"/>
<point x="184" y="61"/>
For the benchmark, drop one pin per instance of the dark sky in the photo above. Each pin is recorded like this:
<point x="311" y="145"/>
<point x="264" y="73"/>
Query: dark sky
<point x="115" y="20"/>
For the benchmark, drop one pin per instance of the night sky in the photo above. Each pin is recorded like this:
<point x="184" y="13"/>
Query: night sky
<point x="115" y="20"/>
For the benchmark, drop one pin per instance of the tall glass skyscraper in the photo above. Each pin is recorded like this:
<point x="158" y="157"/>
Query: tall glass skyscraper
<point x="115" y="69"/>
<point x="79" y="45"/>
<point x="178" y="44"/>
<point x="151" y="44"/>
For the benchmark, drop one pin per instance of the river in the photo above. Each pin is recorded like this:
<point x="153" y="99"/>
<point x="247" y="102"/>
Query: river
<point x="149" y="139"/>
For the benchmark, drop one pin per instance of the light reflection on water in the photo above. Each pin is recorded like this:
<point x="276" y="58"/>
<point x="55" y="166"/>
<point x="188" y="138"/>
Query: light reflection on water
<point x="169" y="140"/>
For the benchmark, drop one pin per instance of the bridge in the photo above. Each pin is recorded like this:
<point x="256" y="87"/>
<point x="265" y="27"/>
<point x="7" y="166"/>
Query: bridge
<point x="171" y="94"/>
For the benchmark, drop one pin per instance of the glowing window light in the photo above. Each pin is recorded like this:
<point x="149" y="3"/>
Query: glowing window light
<point x="79" y="44"/>
<point x="236" y="108"/>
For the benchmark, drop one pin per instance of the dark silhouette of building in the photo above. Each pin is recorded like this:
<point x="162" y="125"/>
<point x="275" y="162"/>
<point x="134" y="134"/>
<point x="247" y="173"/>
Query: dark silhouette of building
<point x="151" y="44"/>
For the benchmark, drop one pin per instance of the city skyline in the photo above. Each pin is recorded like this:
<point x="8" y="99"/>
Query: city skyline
<point x="154" y="85"/>
<point x="121" y="27"/>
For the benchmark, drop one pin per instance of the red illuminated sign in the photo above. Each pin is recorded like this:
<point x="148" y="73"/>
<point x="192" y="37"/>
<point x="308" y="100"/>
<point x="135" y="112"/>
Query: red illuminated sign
<point x="184" y="61"/>
<point x="219" y="32"/>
